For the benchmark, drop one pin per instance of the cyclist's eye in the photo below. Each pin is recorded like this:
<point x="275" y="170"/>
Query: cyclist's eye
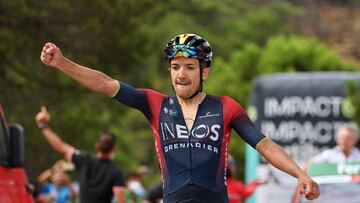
<point x="175" y="67"/>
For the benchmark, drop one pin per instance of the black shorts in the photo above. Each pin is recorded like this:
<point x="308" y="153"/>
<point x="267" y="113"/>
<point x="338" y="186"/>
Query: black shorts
<point x="194" y="194"/>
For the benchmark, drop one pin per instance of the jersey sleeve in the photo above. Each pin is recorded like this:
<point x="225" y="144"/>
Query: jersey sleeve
<point x="241" y="123"/>
<point x="140" y="99"/>
<point x="80" y="159"/>
<point x="119" y="179"/>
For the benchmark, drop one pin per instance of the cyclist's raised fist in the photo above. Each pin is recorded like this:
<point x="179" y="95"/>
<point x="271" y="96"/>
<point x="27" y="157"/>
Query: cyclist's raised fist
<point x="51" y="55"/>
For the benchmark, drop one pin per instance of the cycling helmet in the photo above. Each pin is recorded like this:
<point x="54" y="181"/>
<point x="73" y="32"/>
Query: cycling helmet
<point x="190" y="46"/>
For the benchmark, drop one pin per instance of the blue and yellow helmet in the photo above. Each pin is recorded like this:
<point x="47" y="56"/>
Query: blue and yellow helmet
<point x="190" y="46"/>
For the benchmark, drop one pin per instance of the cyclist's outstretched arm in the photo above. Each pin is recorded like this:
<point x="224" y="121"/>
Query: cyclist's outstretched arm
<point x="92" y="79"/>
<point x="277" y="157"/>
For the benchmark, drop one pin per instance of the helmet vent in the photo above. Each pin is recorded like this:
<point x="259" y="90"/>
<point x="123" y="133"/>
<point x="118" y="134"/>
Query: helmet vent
<point x="189" y="39"/>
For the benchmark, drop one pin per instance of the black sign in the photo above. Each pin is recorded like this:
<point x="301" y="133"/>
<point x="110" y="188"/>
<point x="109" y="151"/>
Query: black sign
<point x="302" y="111"/>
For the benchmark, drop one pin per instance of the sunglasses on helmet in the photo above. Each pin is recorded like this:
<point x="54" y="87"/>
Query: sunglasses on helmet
<point x="181" y="50"/>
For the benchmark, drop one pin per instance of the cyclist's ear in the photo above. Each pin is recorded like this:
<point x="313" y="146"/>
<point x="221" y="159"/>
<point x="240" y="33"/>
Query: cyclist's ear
<point x="205" y="73"/>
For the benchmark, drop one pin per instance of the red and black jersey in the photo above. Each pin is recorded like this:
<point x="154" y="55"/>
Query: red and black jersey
<point x="196" y="156"/>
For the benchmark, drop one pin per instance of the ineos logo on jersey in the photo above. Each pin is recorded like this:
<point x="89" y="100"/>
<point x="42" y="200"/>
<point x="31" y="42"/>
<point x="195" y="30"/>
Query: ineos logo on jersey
<point x="200" y="131"/>
<point x="203" y="131"/>
<point x="171" y="131"/>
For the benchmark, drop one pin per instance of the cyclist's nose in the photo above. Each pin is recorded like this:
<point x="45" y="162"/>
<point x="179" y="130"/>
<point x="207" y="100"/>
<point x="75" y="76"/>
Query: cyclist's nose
<point x="182" y="73"/>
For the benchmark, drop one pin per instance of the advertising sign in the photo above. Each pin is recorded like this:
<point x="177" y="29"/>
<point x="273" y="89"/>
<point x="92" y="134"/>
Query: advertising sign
<point x="301" y="112"/>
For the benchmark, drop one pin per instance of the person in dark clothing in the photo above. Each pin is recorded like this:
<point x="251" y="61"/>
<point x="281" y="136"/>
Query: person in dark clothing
<point x="155" y="193"/>
<point x="100" y="178"/>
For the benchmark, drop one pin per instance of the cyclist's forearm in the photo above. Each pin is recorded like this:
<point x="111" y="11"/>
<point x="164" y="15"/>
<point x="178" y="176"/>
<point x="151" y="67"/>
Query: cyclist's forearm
<point x="92" y="79"/>
<point x="277" y="157"/>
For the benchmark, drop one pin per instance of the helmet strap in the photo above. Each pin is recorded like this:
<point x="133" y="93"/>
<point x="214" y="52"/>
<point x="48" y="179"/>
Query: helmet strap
<point x="196" y="92"/>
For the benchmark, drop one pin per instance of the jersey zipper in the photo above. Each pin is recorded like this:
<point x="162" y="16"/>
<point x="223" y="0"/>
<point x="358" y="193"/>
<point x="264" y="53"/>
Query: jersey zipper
<point x="189" y="132"/>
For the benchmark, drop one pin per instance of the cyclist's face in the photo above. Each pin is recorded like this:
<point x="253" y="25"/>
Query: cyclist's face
<point x="185" y="75"/>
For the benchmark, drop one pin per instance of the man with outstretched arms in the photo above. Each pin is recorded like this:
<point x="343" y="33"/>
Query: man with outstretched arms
<point x="191" y="129"/>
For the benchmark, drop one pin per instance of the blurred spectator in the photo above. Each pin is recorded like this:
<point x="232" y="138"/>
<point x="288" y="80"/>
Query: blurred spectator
<point x="237" y="191"/>
<point x="57" y="187"/>
<point x="100" y="178"/>
<point x="33" y="187"/>
<point x="345" y="151"/>
<point x="155" y="193"/>
<point x="133" y="183"/>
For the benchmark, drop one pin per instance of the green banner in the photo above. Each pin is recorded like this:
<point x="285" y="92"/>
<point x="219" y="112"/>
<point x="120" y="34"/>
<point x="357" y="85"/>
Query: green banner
<point x="339" y="169"/>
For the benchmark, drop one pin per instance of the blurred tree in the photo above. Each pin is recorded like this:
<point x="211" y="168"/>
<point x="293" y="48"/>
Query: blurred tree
<point x="353" y="107"/>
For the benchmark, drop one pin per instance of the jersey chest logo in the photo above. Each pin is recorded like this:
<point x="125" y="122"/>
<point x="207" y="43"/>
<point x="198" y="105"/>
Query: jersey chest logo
<point x="178" y="131"/>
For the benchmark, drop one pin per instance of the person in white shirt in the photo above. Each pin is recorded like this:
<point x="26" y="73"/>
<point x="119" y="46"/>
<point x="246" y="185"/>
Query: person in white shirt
<point x="345" y="151"/>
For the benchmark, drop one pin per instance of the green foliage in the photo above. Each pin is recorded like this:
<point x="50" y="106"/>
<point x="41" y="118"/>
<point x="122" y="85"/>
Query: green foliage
<point x="353" y="90"/>
<point x="300" y="54"/>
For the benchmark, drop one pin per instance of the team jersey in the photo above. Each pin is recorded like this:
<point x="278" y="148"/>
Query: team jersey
<point x="196" y="156"/>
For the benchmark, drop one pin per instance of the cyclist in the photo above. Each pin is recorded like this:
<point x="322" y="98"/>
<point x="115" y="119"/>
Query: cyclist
<point x="191" y="129"/>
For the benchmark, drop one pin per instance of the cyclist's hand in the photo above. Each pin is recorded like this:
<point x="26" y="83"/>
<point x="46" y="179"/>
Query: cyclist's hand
<point x="51" y="55"/>
<point x="43" y="117"/>
<point x="308" y="188"/>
